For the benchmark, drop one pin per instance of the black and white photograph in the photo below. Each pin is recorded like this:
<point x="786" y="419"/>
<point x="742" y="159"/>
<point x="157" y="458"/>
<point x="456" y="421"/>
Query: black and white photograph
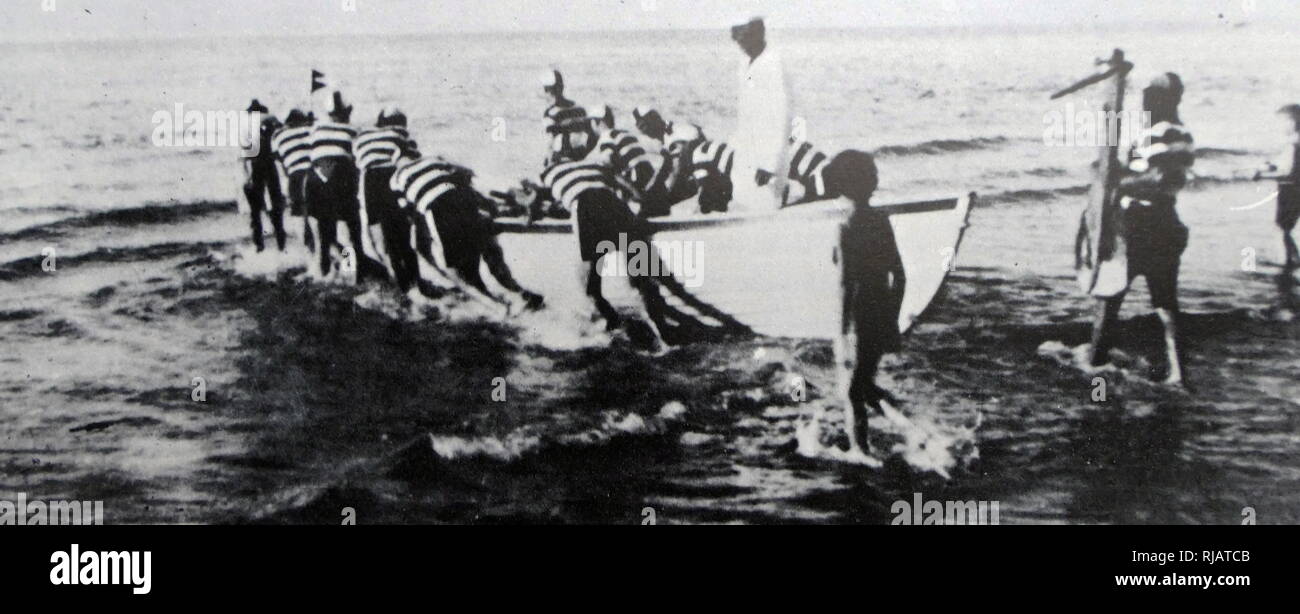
<point x="649" y="262"/>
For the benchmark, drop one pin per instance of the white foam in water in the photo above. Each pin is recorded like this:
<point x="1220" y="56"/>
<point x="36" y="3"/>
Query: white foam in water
<point x="1077" y="358"/>
<point x="522" y="441"/>
<point x="268" y="264"/>
<point x="560" y="329"/>
<point x="808" y="436"/>
<point x="924" y="445"/>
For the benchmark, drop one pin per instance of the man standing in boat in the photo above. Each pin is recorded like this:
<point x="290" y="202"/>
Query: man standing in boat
<point x="762" y="124"/>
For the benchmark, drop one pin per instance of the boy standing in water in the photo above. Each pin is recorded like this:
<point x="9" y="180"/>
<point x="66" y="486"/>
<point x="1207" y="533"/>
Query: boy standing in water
<point x="874" y="282"/>
<point x="1287" y="174"/>
<point x="1155" y="238"/>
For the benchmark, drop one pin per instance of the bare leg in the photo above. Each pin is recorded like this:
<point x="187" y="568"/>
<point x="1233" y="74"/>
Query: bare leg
<point x="327" y="233"/>
<point x="863" y="395"/>
<point x="495" y="259"/>
<point x="589" y="277"/>
<point x="376" y="234"/>
<point x="652" y="309"/>
<point x="1292" y="252"/>
<point x="308" y="235"/>
<point x="256" y="203"/>
<point x="1167" y="318"/>
<point x="469" y="280"/>
<point x="1106" y="315"/>
<point x="463" y="275"/>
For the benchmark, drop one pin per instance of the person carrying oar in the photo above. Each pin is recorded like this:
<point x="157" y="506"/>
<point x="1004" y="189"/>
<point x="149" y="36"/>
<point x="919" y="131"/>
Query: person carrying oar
<point x="1131" y="227"/>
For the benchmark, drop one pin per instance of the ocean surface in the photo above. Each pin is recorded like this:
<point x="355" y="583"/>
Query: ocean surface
<point x="320" y="397"/>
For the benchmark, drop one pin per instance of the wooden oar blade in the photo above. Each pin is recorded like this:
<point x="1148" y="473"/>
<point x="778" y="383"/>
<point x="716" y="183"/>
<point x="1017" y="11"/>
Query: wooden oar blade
<point x="1097" y="78"/>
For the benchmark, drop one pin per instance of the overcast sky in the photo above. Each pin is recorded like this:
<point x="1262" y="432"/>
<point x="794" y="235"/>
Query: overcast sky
<point x="81" y="19"/>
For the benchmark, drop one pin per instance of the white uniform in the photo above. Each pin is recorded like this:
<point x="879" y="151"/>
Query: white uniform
<point x="762" y="132"/>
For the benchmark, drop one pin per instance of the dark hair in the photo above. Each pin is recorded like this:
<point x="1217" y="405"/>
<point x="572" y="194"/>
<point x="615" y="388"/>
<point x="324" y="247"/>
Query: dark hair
<point x="1162" y="97"/>
<point x="1292" y="111"/>
<point x="852" y="174"/>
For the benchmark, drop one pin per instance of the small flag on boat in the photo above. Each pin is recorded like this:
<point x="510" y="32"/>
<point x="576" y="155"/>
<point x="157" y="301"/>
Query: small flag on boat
<point x="317" y="80"/>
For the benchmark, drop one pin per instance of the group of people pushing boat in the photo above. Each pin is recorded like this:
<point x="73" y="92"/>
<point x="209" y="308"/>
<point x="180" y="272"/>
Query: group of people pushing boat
<point x="426" y="219"/>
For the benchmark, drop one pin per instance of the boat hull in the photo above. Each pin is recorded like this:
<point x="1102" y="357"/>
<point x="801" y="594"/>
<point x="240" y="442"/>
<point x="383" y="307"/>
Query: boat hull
<point x="776" y="273"/>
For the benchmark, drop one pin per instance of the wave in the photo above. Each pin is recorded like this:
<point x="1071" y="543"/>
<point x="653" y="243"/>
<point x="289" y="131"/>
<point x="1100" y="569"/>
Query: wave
<point x="943" y="146"/>
<point x="1033" y="195"/>
<point x="148" y="214"/>
<point x="32" y="266"/>
<point x="527" y="441"/>
<point x="1211" y="153"/>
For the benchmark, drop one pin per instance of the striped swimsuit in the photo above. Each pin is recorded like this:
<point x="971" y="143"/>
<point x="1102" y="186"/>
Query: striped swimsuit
<point x="379" y="146"/>
<point x="807" y="164"/>
<point x="1167" y="147"/>
<point x="293" y="147"/>
<point x="569" y="181"/>
<point x="646" y="167"/>
<point x="332" y="141"/>
<point x="589" y="192"/>
<point x="566" y="122"/>
<point x="712" y="158"/>
<point x="422" y="181"/>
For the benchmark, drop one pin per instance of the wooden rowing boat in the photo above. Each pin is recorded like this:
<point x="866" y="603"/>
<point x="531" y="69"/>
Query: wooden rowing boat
<point x="774" y="273"/>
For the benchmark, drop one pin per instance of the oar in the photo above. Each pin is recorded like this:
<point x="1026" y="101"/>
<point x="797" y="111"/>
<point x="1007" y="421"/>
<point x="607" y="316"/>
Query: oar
<point x="1115" y="65"/>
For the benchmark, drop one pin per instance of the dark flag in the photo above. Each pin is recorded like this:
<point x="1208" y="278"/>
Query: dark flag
<point x="317" y="80"/>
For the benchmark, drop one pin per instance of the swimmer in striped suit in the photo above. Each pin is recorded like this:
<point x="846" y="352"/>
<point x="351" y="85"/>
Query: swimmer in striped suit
<point x="1154" y="236"/>
<point x="262" y="179"/>
<point x="377" y="152"/>
<point x="292" y="145"/>
<point x="711" y="164"/>
<point x="589" y="190"/>
<point x="332" y="191"/>
<point x="566" y="122"/>
<point x="807" y="165"/>
<point x="643" y="163"/>
<point x="447" y="210"/>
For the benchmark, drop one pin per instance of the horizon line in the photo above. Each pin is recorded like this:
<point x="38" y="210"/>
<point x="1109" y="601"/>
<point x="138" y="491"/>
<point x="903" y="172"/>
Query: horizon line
<point x="896" y="28"/>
